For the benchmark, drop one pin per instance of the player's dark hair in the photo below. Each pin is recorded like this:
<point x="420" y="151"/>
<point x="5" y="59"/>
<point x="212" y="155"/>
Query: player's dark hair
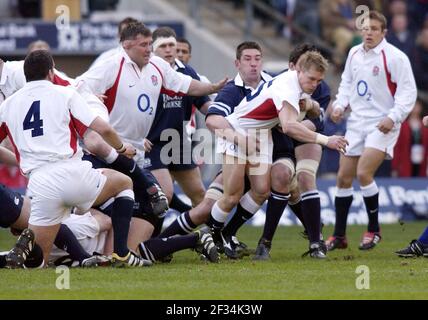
<point x="37" y="65"/>
<point x="164" y="32"/>
<point x="247" y="45"/>
<point x="184" y="40"/>
<point x="132" y="30"/>
<point x="299" y="50"/>
<point x="122" y="24"/>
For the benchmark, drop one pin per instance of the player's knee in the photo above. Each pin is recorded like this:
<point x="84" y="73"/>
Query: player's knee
<point x="281" y="178"/>
<point x="344" y="180"/>
<point x="261" y="192"/>
<point x="122" y="182"/>
<point x="306" y="181"/>
<point x="231" y="201"/>
<point x="364" y="177"/>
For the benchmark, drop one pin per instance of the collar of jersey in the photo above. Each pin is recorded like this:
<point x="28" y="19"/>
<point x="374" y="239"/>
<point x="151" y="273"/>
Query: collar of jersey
<point x="240" y="83"/>
<point x="179" y="64"/>
<point x="37" y="83"/>
<point x="378" y="49"/>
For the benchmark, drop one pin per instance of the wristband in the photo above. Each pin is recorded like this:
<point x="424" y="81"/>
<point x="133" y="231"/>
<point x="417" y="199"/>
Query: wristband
<point x="321" y="139"/>
<point x="122" y="149"/>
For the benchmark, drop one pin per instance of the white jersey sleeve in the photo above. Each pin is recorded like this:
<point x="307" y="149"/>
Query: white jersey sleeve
<point x="406" y="91"/>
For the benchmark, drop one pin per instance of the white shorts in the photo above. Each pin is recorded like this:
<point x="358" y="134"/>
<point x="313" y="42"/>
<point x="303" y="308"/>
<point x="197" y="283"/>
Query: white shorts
<point x="55" y="188"/>
<point x="87" y="231"/>
<point x="363" y="134"/>
<point x="263" y="156"/>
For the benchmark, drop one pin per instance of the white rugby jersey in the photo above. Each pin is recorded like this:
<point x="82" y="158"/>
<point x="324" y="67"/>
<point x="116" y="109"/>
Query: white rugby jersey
<point x="377" y="83"/>
<point x="132" y="94"/>
<point x="12" y="78"/>
<point x="43" y="120"/>
<point x="259" y="110"/>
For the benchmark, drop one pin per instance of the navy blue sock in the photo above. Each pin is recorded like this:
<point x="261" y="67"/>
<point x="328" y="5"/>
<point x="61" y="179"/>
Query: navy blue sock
<point x="66" y="240"/>
<point x="342" y="205"/>
<point x="35" y="258"/>
<point x="214" y="224"/>
<point x="311" y="209"/>
<point x="276" y="204"/>
<point x="142" y="178"/>
<point x="297" y="210"/>
<point x="156" y="248"/>
<point x="120" y="218"/>
<point x="238" y="219"/>
<point x="372" y="207"/>
<point x="424" y="237"/>
<point x="182" y="225"/>
<point x="178" y="205"/>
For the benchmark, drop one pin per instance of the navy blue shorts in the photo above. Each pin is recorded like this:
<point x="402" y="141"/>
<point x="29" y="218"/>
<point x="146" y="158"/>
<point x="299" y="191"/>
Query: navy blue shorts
<point x="283" y="146"/>
<point x="184" y="159"/>
<point x="10" y="206"/>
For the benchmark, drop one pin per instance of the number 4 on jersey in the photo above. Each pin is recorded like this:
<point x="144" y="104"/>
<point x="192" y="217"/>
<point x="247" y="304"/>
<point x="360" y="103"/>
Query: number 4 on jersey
<point x="37" y="123"/>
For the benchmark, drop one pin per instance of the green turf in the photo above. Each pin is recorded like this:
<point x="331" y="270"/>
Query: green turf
<point x="286" y="276"/>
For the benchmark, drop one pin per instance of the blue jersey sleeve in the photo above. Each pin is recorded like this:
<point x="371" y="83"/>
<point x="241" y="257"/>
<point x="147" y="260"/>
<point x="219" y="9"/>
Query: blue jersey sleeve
<point x="227" y="99"/>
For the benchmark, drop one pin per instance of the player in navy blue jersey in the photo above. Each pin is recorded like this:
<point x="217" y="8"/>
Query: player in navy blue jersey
<point x="173" y="112"/>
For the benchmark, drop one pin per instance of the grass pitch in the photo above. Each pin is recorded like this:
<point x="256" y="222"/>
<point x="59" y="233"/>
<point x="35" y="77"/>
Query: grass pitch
<point x="286" y="276"/>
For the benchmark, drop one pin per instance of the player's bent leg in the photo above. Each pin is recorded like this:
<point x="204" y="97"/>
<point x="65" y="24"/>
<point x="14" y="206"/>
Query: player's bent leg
<point x="119" y="186"/>
<point x="24" y="216"/>
<point x="140" y="230"/>
<point x="115" y="183"/>
<point x="189" y="220"/>
<point x="44" y="237"/>
<point x="191" y="183"/>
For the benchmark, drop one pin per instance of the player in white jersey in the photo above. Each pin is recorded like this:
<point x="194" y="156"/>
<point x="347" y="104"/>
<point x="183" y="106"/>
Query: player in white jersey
<point x="379" y="87"/>
<point x="132" y="81"/>
<point x="43" y="120"/>
<point x="276" y="101"/>
<point x="11" y="78"/>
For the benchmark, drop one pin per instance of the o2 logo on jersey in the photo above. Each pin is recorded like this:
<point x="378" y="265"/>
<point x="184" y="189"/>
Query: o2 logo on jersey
<point x="36" y="124"/>
<point x="143" y="104"/>
<point x="362" y="90"/>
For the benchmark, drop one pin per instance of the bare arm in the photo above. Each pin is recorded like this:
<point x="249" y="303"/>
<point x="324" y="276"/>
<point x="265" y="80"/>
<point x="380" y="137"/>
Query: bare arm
<point x="222" y="129"/>
<point x="110" y="136"/>
<point x="198" y="88"/>
<point x="288" y="118"/>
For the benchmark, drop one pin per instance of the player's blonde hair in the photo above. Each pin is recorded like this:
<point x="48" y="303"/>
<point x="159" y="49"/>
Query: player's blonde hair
<point x="313" y="59"/>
